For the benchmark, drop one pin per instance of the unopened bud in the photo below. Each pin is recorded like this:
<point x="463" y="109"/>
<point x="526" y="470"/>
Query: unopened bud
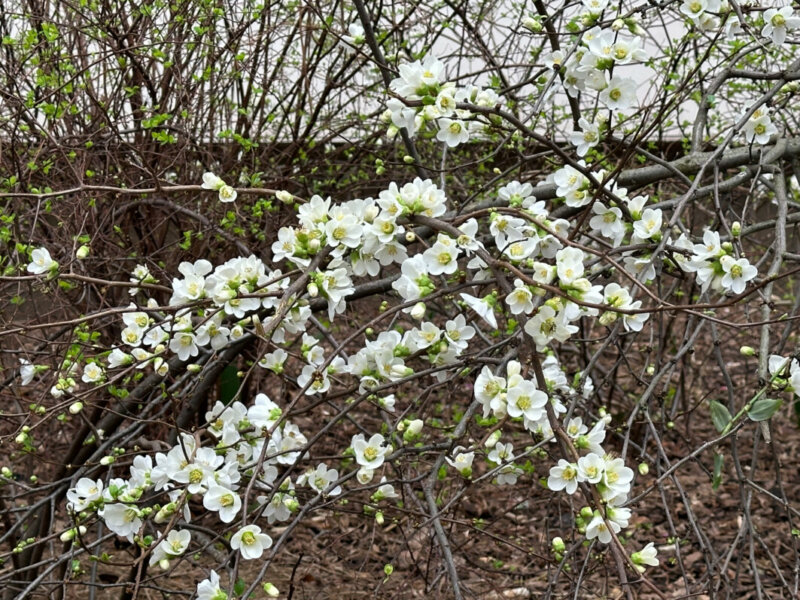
<point x="409" y="160"/>
<point x="284" y="196"/>
<point x="75" y="408"/>
<point x="6" y="472"/>
<point x="165" y="513"/>
<point x="82" y="252"/>
<point x="493" y="439"/>
<point x="558" y="544"/>
<point x="644" y="469"/>
<point x="747" y="351"/>
<point x="68" y="535"/>
<point x="587" y="512"/>
<point x="418" y="311"/>
<point x="736" y="229"/>
<point x="270" y="590"/>
<point x="107" y="460"/>
<point x="618" y="24"/>
<point x="379" y="518"/>
<point x="532" y="24"/>
<point x="194" y="368"/>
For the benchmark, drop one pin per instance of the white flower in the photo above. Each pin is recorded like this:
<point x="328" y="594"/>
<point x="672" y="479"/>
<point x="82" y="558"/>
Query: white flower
<point x="224" y="501"/>
<point x="370" y="454"/>
<point x="608" y="222"/>
<point x="523" y="399"/>
<point x="737" y="273"/>
<point x="520" y="299"/>
<point x="645" y="556"/>
<point x="617" y="477"/>
<point x="173" y="545"/>
<point x="694" y="8"/>
<point x="84" y="493"/>
<point x="321" y="478"/>
<point x="123" y="519"/>
<point x="92" y="373"/>
<point x="41" y="262"/>
<point x="777" y="21"/>
<point x="620" y="94"/>
<point x="27" y="371"/>
<point x="597" y="528"/>
<point x="591" y="467"/>
<point x="452" y="132"/>
<point x="649" y="226"/>
<point x="564" y="476"/>
<point x="211" y="182"/>
<point x="227" y="194"/>
<point x="250" y="542"/>
<point x="482" y="307"/>
<point x="759" y="127"/>
<point x="118" y="358"/>
<point x="209" y="589"/>
<point x="569" y="264"/>
<point x="356" y="37"/>
<point x="442" y="257"/>
<point x="587" y="137"/>
<point x="184" y="345"/>
<point x="462" y="462"/>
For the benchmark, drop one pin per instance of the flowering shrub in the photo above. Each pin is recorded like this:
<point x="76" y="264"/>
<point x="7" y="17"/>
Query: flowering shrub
<point x="452" y="331"/>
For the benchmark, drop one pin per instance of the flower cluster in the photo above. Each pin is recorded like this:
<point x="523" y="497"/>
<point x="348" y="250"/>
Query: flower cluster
<point x="714" y="265"/>
<point x="434" y="100"/>
<point x="590" y="67"/>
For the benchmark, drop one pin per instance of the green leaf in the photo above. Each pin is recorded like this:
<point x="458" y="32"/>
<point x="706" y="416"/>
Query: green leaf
<point x="718" y="462"/>
<point x="720" y="415"/>
<point x="764" y="409"/>
<point x="239" y="586"/>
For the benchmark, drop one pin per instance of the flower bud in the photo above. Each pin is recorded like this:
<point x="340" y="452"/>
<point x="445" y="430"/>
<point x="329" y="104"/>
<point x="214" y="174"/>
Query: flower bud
<point x="284" y="196"/>
<point x="558" y="545"/>
<point x="644" y="469"/>
<point x="165" y="513"/>
<point x="651" y="369"/>
<point x="313" y="244"/>
<point x="379" y="518"/>
<point x="587" y="512"/>
<point x="736" y="229"/>
<point x="418" y="312"/>
<point x="608" y="318"/>
<point x="194" y="368"/>
<point x="82" y="252"/>
<point x="409" y="160"/>
<point x="107" y="460"/>
<point x="75" y="408"/>
<point x="270" y="590"/>
<point x="413" y="430"/>
<point x="410" y="236"/>
<point x="747" y="351"/>
<point x="68" y="535"/>
<point x="532" y="24"/>
<point x="6" y="472"/>
<point x="313" y="289"/>
<point x="618" y="25"/>
<point x="164" y="564"/>
<point x="493" y="439"/>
